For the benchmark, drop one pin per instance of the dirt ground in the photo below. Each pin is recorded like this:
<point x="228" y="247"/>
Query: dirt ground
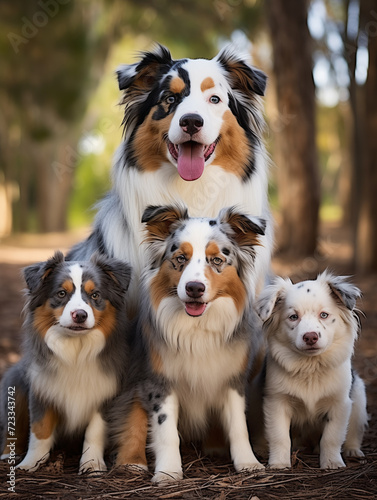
<point x="204" y="478"/>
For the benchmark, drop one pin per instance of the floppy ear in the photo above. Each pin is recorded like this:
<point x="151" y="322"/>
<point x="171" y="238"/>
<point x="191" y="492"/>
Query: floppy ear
<point x="241" y="75"/>
<point x="243" y="230"/>
<point x="36" y="274"/>
<point x="270" y="297"/>
<point x="159" y="220"/>
<point x="141" y="76"/>
<point x="117" y="271"/>
<point x="341" y="290"/>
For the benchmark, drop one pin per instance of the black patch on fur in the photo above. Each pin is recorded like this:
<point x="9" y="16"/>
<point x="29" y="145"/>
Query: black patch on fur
<point x="212" y="223"/>
<point x="156" y="408"/>
<point x="161" y="111"/>
<point x="161" y="418"/>
<point x="225" y="251"/>
<point x="300" y="286"/>
<point x="174" y="248"/>
<point x="308" y="290"/>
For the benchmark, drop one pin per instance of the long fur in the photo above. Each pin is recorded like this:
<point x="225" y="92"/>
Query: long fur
<point x="70" y="369"/>
<point x="308" y="385"/>
<point x="194" y="351"/>
<point x="145" y="172"/>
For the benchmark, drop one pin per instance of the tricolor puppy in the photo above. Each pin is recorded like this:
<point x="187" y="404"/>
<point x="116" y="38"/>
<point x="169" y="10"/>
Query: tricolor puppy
<point x="197" y="337"/>
<point x="74" y="358"/>
<point x="192" y="135"/>
<point x="310" y="388"/>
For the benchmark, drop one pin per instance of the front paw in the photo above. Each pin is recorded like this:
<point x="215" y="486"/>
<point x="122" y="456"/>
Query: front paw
<point x="335" y="462"/>
<point x="92" y="465"/>
<point x="281" y="465"/>
<point x="30" y="464"/>
<point x="162" y="478"/>
<point x="249" y="467"/>
<point x="353" y="452"/>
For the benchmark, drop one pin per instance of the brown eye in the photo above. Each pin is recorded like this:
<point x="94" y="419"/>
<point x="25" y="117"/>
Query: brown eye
<point x="95" y="296"/>
<point x="61" y="294"/>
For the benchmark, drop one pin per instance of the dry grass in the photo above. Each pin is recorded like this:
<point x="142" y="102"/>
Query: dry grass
<point x="204" y="479"/>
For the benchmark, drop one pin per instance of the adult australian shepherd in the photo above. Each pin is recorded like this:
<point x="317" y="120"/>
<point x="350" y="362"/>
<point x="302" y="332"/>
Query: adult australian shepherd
<point x="73" y="363"/>
<point x="310" y="388"/>
<point x="192" y="134"/>
<point x="196" y="339"/>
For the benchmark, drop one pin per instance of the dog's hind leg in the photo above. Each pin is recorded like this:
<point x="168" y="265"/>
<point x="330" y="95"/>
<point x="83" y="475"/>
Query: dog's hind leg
<point x="358" y="420"/>
<point x="133" y="438"/>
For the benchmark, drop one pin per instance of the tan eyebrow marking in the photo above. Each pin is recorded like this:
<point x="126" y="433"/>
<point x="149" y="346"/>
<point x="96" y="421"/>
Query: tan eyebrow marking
<point x="177" y="85"/>
<point x="207" y="83"/>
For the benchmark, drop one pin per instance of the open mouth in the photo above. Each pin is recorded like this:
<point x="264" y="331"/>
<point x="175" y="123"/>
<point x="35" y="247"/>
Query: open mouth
<point x="195" y="308"/>
<point x="191" y="157"/>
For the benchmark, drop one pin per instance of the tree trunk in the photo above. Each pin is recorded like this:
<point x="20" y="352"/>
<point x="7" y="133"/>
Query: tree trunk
<point x="298" y="180"/>
<point x="366" y="230"/>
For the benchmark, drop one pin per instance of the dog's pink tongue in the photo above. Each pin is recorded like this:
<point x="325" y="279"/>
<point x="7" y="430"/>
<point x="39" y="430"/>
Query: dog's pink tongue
<point x="195" y="308"/>
<point x="190" y="160"/>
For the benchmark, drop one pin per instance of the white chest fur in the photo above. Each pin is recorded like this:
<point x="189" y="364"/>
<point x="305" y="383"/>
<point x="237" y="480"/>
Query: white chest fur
<point x="76" y="384"/>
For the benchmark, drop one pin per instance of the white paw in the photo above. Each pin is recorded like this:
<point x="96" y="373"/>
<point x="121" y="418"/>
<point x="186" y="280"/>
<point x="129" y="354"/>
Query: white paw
<point x="167" y="477"/>
<point x="283" y="465"/>
<point x="353" y="452"/>
<point x="332" y="463"/>
<point x="249" y="467"/>
<point x="31" y="465"/>
<point x="92" y="465"/>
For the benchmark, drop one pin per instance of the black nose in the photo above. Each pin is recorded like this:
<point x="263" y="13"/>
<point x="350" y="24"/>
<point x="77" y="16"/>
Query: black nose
<point x="195" y="289"/>
<point x="191" y="123"/>
<point x="79" y="316"/>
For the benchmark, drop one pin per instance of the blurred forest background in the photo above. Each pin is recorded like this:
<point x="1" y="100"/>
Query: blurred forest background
<point x="60" y="119"/>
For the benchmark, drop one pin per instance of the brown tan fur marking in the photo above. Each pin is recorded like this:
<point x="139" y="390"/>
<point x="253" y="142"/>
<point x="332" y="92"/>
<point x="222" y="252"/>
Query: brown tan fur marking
<point x="233" y="151"/>
<point x="207" y="84"/>
<point x="89" y="287"/>
<point x="212" y="249"/>
<point x="68" y="286"/>
<point x="45" y="317"/>
<point x="168" y="276"/>
<point x="227" y="284"/>
<point x="106" y="320"/>
<point x="149" y="144"/>
<point x="45" y="427"/>
<point x="133" y="437"/>
<point x="177" y="85"/>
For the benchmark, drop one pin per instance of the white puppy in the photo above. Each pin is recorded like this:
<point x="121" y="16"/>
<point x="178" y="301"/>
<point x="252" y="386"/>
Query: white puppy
<point x="310" y="388"/>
